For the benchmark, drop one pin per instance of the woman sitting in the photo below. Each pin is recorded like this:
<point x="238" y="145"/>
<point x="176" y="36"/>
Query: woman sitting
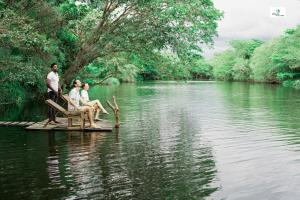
<point x="74" y="103"/>
<point x="95" y="103"/>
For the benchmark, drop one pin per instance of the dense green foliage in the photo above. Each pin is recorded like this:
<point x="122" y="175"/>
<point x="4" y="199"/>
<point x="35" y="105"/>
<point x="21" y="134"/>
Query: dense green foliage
<point x="281" y="61"/>
<point x="130" y="67"/>
<point x="123" y="39"/>
<point x="274" y="61"/>
<point x="234" y="63"/>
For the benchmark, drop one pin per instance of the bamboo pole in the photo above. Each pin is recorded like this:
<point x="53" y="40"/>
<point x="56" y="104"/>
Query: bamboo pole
<point x="116" y="111"/>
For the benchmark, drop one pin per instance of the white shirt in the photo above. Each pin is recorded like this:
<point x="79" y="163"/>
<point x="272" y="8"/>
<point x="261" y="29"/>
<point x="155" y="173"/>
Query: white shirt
<point x="75" y="96"/>
<point x="54" y="79"/>
<point x="85" y="95"/>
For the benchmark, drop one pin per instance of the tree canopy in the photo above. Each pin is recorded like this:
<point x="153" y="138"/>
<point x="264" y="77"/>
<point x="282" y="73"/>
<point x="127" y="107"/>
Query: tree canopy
<point x="234" y="63"/>
<point x="35" y="33"/>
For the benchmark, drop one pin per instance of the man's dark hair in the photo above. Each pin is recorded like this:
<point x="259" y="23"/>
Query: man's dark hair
<point x="52" y="65"/>
<point x="74" y="83"/>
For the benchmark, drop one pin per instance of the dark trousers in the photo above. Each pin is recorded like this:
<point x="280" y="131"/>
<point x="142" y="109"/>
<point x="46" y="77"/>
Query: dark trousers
<point x="51" y="111"/>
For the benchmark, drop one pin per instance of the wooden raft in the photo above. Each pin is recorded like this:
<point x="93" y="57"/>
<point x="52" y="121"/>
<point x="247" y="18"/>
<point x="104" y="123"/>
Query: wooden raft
<point x="104" y="125"/>
<point x="16" y="123"/>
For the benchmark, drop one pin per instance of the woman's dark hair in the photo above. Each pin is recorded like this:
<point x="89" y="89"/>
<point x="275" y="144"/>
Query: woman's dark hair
<point x="52" y="65"/>
<point x="83" y="84"/>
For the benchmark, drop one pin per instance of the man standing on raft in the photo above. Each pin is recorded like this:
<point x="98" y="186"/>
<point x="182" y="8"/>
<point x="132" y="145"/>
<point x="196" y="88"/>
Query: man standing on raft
<point x="54" y="91"/>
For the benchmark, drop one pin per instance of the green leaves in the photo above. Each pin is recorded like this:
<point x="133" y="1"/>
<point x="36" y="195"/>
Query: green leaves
<point x="67" y="37"/>
<point x="277" y="60"/>
<point x="71" y="11"/>
<point x="234" y="64"/>
<point x="101" y="37"/>
<point x="222" y="65"/>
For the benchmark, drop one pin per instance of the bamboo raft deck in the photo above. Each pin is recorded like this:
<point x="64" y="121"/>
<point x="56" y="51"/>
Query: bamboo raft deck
<point x="23" y="124"/>
<point x="104" y="125"/>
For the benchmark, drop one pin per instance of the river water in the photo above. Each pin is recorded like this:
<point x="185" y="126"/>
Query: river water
<point x="195" y="140"/>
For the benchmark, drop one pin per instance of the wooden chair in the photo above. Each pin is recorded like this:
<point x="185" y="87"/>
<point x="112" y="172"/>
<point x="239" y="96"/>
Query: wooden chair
<point x="69" y="114"/>
<point x="66" y="98"/>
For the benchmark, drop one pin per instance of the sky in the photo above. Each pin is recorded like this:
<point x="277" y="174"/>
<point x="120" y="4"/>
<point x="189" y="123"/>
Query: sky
<point x="251" y="19"/>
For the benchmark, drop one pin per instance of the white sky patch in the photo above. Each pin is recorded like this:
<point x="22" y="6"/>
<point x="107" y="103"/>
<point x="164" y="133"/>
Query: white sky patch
<point x="250" y="19"/>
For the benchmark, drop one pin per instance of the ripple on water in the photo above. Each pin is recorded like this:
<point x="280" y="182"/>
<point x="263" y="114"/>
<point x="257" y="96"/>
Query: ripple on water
<point x="177" y="141"/>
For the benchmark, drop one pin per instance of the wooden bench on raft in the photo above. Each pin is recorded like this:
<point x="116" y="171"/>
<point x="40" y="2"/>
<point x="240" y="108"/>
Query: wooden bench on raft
<point x="115" y="108"/>
<point x="80" y="115"/>
<point x="65" y="97"/>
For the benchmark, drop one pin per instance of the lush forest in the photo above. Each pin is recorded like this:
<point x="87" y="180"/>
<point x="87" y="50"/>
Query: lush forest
<point x="273" y="61"/>
<point x="113" y="41"/>
<point x="102" y="41"/>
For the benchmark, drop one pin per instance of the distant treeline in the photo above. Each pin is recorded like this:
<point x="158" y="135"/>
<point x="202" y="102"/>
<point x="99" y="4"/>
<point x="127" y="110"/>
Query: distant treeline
<point x="274" y="61"/>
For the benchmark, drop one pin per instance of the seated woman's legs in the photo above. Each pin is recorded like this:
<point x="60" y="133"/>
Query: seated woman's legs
<point x="97" y="102"/>
<point x="97" y="109"/>
<point x="90" y="114"/>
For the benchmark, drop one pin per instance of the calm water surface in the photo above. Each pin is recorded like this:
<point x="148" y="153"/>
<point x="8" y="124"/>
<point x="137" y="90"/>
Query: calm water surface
<point x="197" y="140"/>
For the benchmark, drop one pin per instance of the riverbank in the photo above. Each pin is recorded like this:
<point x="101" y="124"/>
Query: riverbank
<point x="28" y="97"/>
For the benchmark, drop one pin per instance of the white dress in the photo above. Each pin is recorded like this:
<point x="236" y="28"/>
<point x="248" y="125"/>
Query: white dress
<point x="85" y="95"/>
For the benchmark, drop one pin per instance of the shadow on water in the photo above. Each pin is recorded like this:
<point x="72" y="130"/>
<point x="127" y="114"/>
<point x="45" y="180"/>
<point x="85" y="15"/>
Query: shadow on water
<point x="28" y="111"/>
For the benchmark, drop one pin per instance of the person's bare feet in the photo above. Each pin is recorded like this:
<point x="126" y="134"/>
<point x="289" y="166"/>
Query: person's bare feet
<point x="94" y="126"/>
<point x="57" y="122"/>
<point x="51" y="123"/>
<point x="105" y="112"/>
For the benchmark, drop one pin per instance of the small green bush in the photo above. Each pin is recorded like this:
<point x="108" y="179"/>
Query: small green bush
<point x="296" y="84"/>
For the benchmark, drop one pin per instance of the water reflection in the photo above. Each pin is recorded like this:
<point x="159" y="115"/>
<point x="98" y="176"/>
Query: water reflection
<point x="255" y="148"/>
<point x="168" y="146"/>
<point x="122" y="165"/>
<point x="177" y="141"/>
<point x="12" y="112"/>
<point x="75" y="165"/>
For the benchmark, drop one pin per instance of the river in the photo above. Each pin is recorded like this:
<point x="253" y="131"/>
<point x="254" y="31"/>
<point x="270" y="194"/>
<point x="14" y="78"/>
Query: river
<point x="194" y="140"/>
